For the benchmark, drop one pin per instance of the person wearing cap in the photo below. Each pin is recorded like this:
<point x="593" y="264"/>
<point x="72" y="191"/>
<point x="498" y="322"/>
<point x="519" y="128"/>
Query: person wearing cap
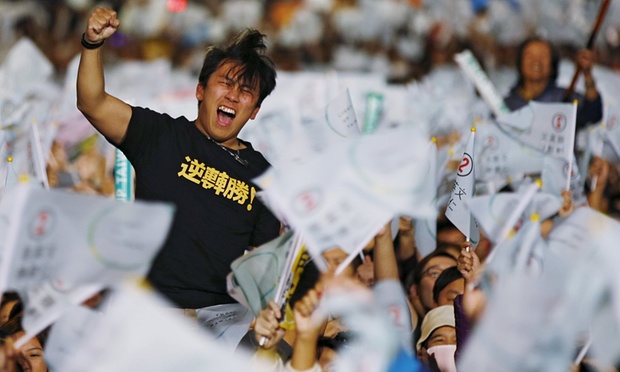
<point x="438" y="340"/>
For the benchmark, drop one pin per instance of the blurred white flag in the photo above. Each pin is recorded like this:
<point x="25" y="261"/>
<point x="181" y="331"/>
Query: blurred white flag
<point x="547" y="127"/>
<point x="425" y="230"/>
<point x="492" y="211"/>
<point x="342" y="197"/>
<point x="56" y="242"/>
<point x="139" y="331"/>
<point x="501" y="157"/>
<point x="554" y="176"/>
<point x="463" y="190"/>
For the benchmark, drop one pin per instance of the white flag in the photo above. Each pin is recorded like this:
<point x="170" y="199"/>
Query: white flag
<point x="425" y="229"/>
<point x="340" y="116"/>
<point x="56" y="242"/>
<point x="501" y="157"/>
<point x="522" y="252"/>
<point x="139" y="331"/>
<point x="44" y="304"/>
<point x="470" y="66"/>
<point x="541" y="316"/>
<point x="24" y="69"/>
<point x="610" y="131"/>
<point x="463" y="190"/>
<point x="547" y="127"/>
<point x="493" y="211"/>
<point x="591" y="238"/>
<point x="73" y="239"/>
<point x="554" y="175"/>
<point x="256" y="276"/>
<point x="342" y="198"/>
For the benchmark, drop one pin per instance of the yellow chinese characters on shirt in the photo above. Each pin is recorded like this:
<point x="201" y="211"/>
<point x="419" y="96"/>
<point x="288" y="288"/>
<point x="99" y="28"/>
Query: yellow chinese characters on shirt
<point x="220" y="182"/>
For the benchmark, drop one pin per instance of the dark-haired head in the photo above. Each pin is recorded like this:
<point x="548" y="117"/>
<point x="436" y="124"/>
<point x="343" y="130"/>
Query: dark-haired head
<point x="555" y="59"/>
<point x="252" y="67"/>
<point x="14" y="326"/>
<point x="415" y="276"/>
<point x="446" y="277"/>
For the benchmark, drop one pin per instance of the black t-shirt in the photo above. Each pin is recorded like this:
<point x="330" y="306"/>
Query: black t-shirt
<point x="217" y="213"/>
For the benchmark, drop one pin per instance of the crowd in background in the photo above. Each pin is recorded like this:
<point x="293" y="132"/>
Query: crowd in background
<point x="405" y="39"/>
<point x="402" y="39"/>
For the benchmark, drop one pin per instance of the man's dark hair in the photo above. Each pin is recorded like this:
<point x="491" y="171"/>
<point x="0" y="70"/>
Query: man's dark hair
<point x="555" y="59"/>
<point x="252" y="67"/>
<point x="415" y="276"/>
<point x="9" y="297"/>
<point x="14" y="326"/>
<point x="445" y="278"/>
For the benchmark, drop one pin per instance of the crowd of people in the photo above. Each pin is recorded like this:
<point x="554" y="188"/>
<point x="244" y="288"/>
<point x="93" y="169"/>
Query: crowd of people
<point x="431" y="303"/>
<point x="405" y="39"/>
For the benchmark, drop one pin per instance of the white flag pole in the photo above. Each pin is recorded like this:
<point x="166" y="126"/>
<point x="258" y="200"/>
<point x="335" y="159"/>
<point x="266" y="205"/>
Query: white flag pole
<point x="584" y="350"/>
<point x="526" y="245"/>
<point x="286" y="274"/>
<point x="594" y="179"/>
<point x="38" y="158"/>
<point x="571" y="145"/>
<point x="355" y="253"/>
<point x="514" y="217"/>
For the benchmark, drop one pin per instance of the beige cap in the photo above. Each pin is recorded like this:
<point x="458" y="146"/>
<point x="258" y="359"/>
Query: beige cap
<point x="437" y="317"/>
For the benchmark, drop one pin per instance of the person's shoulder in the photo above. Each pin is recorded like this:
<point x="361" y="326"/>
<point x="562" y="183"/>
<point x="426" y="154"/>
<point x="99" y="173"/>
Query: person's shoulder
<point x="552" y="93"/>
<point x="146" y="113"/>
<point x="256" y="155"/>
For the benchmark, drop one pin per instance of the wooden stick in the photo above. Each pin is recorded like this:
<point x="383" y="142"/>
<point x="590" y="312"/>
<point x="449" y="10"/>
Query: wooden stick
<point x="597" y="25"/>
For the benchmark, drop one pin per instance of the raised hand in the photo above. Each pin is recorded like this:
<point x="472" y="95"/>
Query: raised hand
<point x="585" y="60"/>
<point x="567" y="204"/>
<point x="268" y="326"/>
<point x="468" y="263"/>
<point x="101" y="24"/>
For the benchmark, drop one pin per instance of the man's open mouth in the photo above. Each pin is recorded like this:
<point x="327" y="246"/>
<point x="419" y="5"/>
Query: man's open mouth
<point x="225" y="114"/>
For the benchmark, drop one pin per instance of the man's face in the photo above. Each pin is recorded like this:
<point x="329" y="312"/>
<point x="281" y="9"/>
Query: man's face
<point x="431" y="272"/>
<point x="536" y="62"/>
<point x="445" y="335"/>
<point x="30" y="356"/>
<point x="226" y="105"/>
<point x="447" y="295"/>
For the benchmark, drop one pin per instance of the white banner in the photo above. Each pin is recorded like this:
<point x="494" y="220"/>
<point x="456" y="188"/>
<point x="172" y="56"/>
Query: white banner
<point x="342" y="197"/>
<point x="463" y="190"/>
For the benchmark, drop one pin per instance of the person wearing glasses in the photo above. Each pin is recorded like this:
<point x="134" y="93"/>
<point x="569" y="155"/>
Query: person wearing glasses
<point x="420" y="282"/>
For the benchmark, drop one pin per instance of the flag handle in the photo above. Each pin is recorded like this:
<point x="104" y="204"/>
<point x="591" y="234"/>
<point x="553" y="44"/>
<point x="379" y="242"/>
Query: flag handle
<point x="38" y="156"/>
<point x="279" y="295"/>
<point x="514" y="217"/>
<point x="612" y="142"/>
<point x="525" y="248"/>
<point x="597" y="25"/>
<point x="584" y="350"/>
<point x="353" y="254"/>
<point x="594" y="179"/>
<point x="571" y="144"/>
<point x="23" y="340"/>
<point x="570" y="171"/>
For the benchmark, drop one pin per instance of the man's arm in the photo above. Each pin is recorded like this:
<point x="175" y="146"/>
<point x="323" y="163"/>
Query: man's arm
<point x="109" y="115"/>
